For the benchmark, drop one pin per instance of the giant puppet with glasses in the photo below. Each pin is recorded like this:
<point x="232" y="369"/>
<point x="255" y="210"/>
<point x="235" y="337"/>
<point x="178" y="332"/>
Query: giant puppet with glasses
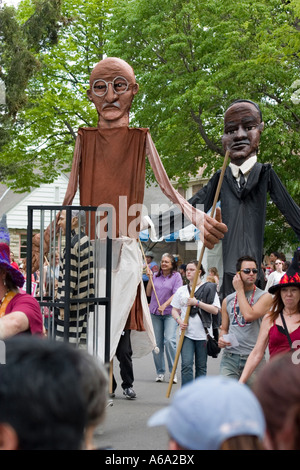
<point x="109" y="167"/>
<point x="244" y="191"/>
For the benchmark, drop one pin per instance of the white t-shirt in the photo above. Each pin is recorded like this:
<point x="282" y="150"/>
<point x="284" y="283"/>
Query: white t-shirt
<point x="195" y="328"/>
<point x="273" y="279"/>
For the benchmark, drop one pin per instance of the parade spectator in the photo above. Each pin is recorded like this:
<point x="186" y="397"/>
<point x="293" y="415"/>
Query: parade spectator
<point x="274" y="255"/>
<point x="19" y="311"/>
<point x="81" y="280"/>
<point x="215" y="274"/>
<point x="51" y="275"/>
<point x="165" y="282"/>
<point x="13" y="262"/>
<point x="213" y="413"/>
<point x="94" y="381"/>
<point x="204" y="305"/>
<point x="286" y="265"/>
<point x="280" y="328"/>
<point x="151" y="264"/>
<point x="182" y="270"/>
<point x="276" y="275"/>
<point x="50" y="280"/>
<point x="241" y="318"/>
<point x="42" y="406"/>
<point x="278" y="390"/>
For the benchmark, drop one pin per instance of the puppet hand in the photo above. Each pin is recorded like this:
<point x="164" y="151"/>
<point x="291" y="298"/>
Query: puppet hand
<point x="145" y="223"/>
<point x="214" y="229"/>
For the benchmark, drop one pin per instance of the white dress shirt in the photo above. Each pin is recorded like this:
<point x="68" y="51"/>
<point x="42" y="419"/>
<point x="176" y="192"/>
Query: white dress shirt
<point x="245" y="168"/>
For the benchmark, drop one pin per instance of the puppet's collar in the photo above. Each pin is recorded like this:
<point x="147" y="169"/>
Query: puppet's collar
<point x="245" y="167"/>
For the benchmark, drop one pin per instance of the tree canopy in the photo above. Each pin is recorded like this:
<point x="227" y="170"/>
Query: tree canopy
<point x="191" y="59"/>
<point x="21" y="42"/>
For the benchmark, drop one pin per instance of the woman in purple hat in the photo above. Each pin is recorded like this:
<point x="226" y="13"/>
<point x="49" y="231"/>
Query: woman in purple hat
<point x="280" y="328"/>
<point x="19" y="312"/>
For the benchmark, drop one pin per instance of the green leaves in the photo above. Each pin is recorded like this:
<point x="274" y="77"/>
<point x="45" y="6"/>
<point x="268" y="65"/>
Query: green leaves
<point x="55" y="102"/>
<point x="191" y="59"/>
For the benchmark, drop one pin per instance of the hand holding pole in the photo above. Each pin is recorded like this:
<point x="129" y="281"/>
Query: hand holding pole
<point x="186" y="319"/>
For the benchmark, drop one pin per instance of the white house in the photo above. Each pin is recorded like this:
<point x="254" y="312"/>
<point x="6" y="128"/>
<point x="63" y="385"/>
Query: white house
<point x="15" y="206"/>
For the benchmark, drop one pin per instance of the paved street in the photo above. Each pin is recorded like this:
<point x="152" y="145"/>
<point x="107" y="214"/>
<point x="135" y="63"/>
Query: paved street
<point x="125" y="426"/>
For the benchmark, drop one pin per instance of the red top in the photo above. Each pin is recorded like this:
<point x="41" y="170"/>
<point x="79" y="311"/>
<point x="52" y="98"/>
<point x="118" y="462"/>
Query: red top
<point x="29" y="305"/>
<point x="278" y="341"/>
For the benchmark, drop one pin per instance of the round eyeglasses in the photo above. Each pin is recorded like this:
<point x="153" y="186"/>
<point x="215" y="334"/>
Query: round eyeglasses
<point x="120" y="85"/>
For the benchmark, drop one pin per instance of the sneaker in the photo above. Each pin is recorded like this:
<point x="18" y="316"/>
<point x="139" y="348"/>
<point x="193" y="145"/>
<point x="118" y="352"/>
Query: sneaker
<point x="129" y="393"/>
<point x="160" y="378"/>
<point x="110" y="402"/>
<point x="175" y="379"/>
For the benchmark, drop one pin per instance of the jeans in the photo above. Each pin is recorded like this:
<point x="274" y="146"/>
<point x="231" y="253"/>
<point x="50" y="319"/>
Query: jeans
<point x="232" y="365"/>
<point x="164" y="327"/>
<point x="193" y="349"/>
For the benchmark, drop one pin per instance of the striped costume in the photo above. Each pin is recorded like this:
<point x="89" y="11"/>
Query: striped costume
<point x="81" y="286"/>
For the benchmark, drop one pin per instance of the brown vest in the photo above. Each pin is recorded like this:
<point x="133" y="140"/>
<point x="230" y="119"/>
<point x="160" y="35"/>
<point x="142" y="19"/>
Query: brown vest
<point x="112" y="165"/>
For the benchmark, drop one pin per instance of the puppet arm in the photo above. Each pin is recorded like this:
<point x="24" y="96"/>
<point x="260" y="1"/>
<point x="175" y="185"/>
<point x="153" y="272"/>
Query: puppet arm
<point x="284" y="202"/>
<point x="69" y="196"/>
<point x="74" y="175"/>
<point x="212" y="230"/>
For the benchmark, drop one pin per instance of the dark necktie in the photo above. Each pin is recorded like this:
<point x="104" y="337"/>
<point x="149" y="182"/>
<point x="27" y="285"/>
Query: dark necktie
<point x="242" y="180"/>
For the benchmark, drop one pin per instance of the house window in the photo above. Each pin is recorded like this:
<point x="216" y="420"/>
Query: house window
<point x="23" y="245"/>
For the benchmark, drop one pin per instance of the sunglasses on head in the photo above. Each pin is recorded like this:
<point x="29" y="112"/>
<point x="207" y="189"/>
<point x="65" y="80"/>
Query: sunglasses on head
<point x="248" y="270"/>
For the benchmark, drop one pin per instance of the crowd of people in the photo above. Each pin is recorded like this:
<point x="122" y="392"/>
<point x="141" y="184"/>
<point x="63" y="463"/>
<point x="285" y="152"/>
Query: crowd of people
<point x="235" y="410"/>
<point x="252" y="320"/>
<point x="254" y="306"/>
<point x="246" y="306"/>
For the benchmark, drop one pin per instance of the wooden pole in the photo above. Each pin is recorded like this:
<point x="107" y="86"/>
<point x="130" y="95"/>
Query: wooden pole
<point x="186" y="319"/>
<point x="111" y="374"/>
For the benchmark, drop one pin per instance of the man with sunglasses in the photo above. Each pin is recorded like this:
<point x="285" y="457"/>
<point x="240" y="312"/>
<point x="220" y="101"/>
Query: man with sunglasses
<point x="242" y="312"/>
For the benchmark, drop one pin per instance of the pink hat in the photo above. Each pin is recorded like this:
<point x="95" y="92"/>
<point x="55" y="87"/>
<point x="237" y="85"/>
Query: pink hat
<point x="15" y="274"/>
